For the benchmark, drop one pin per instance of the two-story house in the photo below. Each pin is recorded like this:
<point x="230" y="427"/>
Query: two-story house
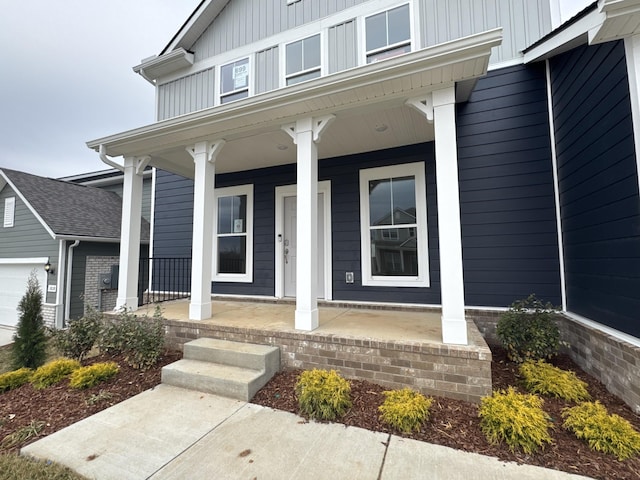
<point x="452" y="153"/>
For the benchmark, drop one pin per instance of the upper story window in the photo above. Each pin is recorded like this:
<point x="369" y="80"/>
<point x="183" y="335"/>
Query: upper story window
<point x="233" y="252"/>
<point x="388" y="34"/>
<point x="393" y="220"/>
<point x="9" y="211"/>
<point x="234" y="81"/>
<point x="303" y="60"/>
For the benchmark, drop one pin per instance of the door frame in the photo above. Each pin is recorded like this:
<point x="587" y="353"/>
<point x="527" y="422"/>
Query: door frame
<point x="324" y="187"/>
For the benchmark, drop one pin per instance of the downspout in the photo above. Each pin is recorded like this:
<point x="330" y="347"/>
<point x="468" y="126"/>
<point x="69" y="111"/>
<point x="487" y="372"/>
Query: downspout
<point x="102" y="152"/>
<point x="67" y="302"/>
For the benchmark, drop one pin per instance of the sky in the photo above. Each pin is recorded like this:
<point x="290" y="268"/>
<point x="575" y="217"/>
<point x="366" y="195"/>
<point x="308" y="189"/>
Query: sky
<point x="66" y="76"/>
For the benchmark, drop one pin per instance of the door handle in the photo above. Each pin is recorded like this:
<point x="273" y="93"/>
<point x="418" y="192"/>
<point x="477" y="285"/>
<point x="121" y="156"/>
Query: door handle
<point x="286" y="253"/>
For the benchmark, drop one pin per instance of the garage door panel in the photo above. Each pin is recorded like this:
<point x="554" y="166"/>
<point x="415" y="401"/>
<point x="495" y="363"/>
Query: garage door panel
<point x="13" y="285"/>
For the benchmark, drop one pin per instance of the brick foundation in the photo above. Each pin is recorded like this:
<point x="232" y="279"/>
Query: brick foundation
<point x="93" y="295"/>
<point x="461" y="372"/>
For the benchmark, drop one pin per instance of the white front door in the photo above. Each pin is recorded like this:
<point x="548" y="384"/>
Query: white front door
<point x="286" y="241"/>
<point x="290" y="244"/>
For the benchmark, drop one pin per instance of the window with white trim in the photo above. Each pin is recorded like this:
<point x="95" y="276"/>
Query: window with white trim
<point x="234" y="80"/>
<point x="303" y="60"/>
<point x="233" y="241"/>
<point x="9" y="211"/>
<point x="388" y="34"/>
<point x="393" y="220"/>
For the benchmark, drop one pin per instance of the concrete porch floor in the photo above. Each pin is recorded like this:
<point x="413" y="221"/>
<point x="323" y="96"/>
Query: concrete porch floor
<point x="414" y="325"/>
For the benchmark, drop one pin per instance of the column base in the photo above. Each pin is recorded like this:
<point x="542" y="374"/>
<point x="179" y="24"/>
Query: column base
<point x="199" y="311"/>
<point x="307" y="320"/>
<point x="130" y="304"/>
<point x="454" y="331"/>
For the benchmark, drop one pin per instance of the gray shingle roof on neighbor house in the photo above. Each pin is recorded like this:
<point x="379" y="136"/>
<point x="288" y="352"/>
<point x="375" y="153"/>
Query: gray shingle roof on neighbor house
<point x="70" y="209"/>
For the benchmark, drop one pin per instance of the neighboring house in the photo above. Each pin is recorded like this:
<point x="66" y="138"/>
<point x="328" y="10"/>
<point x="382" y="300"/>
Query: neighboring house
<point x="459" y="154"/>
<point x="70" y="227"/>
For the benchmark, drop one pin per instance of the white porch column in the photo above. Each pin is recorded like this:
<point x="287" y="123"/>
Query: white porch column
<point x="439" y="107"/>
<point x="306" y="133"/>
<point x="130" y="233"/>
<point x="204" y="155"/>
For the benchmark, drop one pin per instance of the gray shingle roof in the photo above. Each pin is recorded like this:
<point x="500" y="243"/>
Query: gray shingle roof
<point x="70" y="209"/>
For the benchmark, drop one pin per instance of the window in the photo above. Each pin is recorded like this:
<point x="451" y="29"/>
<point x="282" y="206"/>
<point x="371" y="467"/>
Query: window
<point x="233" y="250"/>
<point x="388" y="34"/>
<point x="303" y="60"/>
<point x="393" y="216"/>
<point x="234" y="81"/>
<point x="9" y="211"/>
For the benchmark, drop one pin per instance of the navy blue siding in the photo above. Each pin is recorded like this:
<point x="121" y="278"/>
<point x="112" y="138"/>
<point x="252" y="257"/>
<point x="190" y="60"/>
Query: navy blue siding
<point x="598" y="185"/>
<point x="509" y="233"/>
<point x="173" y="223"/>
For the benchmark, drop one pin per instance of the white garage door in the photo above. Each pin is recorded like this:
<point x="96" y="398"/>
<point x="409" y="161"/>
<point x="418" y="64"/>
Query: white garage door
<point x="13" y="285"/>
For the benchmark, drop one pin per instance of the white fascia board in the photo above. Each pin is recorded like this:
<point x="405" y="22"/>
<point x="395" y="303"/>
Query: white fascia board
<point x="475" y="49"/>
<point x="566" y="39"/>
<point x="29" y="206"/>
<point x="165" y="64"/>
<point x="94" y="239"/>
<point x="196" y="24"/>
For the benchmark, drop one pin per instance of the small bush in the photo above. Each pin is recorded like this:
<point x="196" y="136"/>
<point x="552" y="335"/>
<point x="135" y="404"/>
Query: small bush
<point x="516" y="419"/>
<point x="87" y="377"/>
<point x="77" y="340"/>
<point x="139" y="339"/>
<point x="545" y="379"/>
<point x="29" y="347"/>
<point x="606" y="433"/>
<point x="52" y="372"/>
<point x="528" y="331"/>
<point x="15" y="379"/>
<point x="23" y="434"/>
<point x="405" y="410"/>
<point x="323" y="394"/>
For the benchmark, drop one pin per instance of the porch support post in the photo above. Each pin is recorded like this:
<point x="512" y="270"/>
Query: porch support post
<point x="130" y="232"/>
<point x="306" y="134"/>
<point x="204" y="155"/>
<point x="440" y="108"/>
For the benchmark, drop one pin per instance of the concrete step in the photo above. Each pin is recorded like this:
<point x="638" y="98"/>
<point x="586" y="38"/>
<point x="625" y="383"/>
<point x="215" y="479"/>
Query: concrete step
<point x="224" y="380"/>
<point x="237" y="354"/>
<point x="230" y="369"/>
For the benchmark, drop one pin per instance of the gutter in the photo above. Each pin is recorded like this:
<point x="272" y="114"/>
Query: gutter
<point x="67" y="302"/>
<point x="102" y="152"/>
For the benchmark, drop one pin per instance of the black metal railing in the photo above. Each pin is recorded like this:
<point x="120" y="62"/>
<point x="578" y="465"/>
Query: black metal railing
<point x="163" y="279"/>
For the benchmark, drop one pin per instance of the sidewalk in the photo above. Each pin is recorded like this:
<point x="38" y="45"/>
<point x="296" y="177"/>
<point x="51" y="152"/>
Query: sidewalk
<point x="171" y="433"/>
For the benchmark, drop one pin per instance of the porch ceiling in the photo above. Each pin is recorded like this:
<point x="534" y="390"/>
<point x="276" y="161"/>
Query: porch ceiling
<point x="368" y="103"/>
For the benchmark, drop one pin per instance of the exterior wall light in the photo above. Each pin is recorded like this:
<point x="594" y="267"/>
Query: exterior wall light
<point x="49" y="269"/>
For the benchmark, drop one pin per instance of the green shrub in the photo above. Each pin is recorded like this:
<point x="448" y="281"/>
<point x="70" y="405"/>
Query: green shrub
<point x="606" y="433"/>
<point x="52" y="372"/>
<point x="139" y="339"/>
<point x="77" y="340"/>
<point x="528" y="331"/>
<point x="323" y="394"/>
<point x="15" y="379"/>
<point x="545" y="379"/>
<point x="87" y="377"/>
<point x="30" y="340"/>
<point x="516" y="419"/>
<point x="405" y="410"/>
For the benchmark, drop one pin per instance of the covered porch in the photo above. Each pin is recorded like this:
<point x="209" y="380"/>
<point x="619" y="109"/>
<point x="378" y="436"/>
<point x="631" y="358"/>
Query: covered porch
<point x="401" y="101"/>
<point x="395" y="347"/>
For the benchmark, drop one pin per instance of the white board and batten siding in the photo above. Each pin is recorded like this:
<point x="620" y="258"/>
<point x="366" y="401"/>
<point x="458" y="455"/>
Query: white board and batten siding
<point x="244" y="24"/>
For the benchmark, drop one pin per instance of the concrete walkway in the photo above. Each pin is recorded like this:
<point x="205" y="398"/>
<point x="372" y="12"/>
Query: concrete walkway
<point x="171" y="433"/>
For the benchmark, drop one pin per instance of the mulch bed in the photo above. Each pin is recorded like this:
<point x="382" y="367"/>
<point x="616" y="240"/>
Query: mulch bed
<point x="455" y="423"/>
